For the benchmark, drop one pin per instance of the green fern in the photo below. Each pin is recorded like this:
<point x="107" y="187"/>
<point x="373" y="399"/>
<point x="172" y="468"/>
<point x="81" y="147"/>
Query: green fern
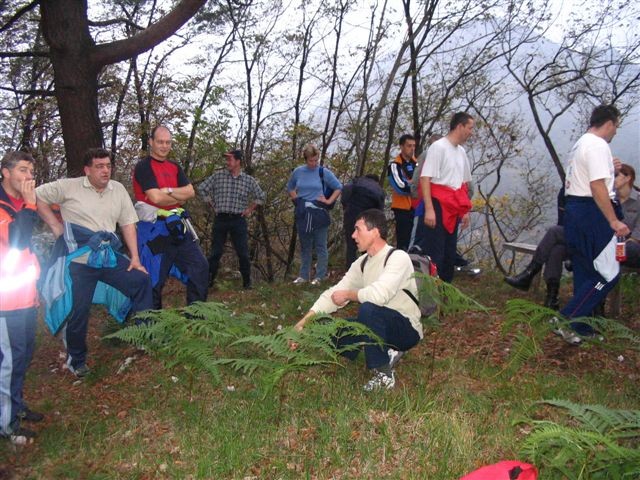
<point x="601" y="444"/>
<point x="316" y="346"/>
<point x="205" y="337"/>
<point x="530" y="324"/>
<point x="448" y="299"/>
<point x="188" y="337"/>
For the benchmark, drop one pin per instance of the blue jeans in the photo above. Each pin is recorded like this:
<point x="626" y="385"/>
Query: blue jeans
<point x="394" y="329"/>
<point x="134" y="284"/>
<point x="317" y="239"/>
<point x="17" y="342"/>
<point x="236" y="226"/>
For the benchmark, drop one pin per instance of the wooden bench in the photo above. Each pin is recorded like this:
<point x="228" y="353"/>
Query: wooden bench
<point x="526" y="248"/>
<point x="615" y="297"/>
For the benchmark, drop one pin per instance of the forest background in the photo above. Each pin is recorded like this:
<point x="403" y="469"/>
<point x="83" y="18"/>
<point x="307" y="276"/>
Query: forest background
<point x="350" y="76"/>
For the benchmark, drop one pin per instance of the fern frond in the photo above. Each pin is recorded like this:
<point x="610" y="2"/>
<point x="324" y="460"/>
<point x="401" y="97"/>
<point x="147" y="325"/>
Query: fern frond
<point x="447" y="297"/>
<point x="598" y="447"/>
<point x="207" y="336"/>
<point x="531" y="323"/>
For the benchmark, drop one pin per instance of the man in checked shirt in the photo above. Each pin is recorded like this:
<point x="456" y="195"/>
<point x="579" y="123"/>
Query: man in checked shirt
<point x="229" y="191"/>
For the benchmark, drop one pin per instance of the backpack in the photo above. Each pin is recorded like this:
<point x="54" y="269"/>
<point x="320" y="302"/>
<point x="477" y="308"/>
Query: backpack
<point x="422" y="265"/>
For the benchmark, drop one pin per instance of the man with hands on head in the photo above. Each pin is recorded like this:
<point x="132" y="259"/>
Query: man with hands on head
<point x="382" y="281"/>
<point x="91" y="206"/>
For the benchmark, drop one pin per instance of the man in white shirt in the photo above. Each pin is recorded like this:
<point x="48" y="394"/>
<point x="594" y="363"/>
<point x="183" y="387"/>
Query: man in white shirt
<point x="444" y="183"/>
<point x="382" y="282"/>
<point x="591" y="221"/>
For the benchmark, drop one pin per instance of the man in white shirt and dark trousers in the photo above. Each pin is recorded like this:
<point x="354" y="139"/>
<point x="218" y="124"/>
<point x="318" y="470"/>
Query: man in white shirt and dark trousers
<point x="444" y="182"/>
<point x="591" y="221"/>
<point x="382" y="282"/>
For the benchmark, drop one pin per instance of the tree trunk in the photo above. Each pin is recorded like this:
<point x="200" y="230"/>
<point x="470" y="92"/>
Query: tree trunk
<point x="66" y="30"/>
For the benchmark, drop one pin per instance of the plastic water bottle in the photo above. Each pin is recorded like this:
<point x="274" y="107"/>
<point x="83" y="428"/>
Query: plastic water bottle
<point x="621" y="250"/>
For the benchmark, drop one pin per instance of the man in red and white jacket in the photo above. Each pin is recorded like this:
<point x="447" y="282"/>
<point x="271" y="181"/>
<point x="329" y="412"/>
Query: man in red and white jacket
<point x="19" y="272"/>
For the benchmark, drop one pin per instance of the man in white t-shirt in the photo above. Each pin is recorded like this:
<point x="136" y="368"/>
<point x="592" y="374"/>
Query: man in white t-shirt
<point x="383" y="282"/>
<point x="591" y="221"/>
<point x="444" y="183"/>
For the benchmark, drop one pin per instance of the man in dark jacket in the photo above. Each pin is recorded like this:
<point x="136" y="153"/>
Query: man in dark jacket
<point x="361" y="194"/>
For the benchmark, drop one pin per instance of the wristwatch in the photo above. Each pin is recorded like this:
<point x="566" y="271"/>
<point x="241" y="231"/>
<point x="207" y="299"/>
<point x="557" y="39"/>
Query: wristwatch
<point x="170" y="190"/>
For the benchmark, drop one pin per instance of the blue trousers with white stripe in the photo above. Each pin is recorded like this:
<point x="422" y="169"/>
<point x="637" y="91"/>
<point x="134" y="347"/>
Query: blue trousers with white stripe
<point x="17" y="342"/>
<point x="589" y="241"/>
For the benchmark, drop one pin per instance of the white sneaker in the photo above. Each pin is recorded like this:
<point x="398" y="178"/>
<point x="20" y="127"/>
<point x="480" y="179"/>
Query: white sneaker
<point x="557" y="330"/>
<point x="315" y="282"/>
<point x="380" y="381"/>
<point x="299" y="280"/>
<point x="570" y="336"/>
<point x="394" y="356"/>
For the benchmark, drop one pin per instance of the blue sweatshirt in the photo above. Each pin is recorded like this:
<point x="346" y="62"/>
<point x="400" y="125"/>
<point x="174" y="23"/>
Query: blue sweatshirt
<point x="307" y="184"/>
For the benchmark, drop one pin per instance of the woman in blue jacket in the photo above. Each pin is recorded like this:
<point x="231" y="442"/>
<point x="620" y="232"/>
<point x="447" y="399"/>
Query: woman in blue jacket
<point x="309" y="187"/>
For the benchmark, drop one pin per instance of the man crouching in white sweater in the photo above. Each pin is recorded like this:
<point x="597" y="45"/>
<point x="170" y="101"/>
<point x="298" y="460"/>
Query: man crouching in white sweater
<point x="382" y="281"/>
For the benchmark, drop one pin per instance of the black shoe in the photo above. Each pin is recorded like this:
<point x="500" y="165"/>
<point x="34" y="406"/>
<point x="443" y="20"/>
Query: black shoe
<point x="28" y="415"/>
<point x="551" y="301"/>
<point x="247" y="286"/>
<point x="522" y="281"/>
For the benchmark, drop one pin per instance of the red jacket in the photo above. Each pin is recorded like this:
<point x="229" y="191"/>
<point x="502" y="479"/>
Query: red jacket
<point x="19" y="267"/>
<point x="455" y="203"/>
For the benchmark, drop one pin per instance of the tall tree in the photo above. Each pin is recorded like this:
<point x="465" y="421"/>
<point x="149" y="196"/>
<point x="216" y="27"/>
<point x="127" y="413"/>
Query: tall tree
<point x="77" y="61"/>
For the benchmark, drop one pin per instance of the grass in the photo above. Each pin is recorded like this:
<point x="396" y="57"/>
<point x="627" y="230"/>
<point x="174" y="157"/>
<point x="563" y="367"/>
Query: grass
<point x="448" y="415"/>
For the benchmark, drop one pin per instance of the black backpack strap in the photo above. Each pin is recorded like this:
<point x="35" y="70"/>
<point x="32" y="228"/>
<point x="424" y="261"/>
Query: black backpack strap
<point x="412" y="297"/>
<point x="385" y="259"/>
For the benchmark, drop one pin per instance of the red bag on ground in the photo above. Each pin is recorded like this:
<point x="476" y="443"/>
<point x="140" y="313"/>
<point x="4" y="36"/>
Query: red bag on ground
<point x="506" y="470"/>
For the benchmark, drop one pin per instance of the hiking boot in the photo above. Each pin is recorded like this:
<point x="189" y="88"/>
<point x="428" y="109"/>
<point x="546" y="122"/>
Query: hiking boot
<point x="522" y="281"/>
<point x="81" y="371"/>
<point x="28" y="415"/>
<point x="551" y="301"/>
<point x="394" y="356"/>
<point x="299" y="280"/>
<point x="380" y="381"/>
<point x="22" y="436"/>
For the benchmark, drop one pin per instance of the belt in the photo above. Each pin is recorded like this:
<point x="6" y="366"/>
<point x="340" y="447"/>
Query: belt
<point x="228" y="215"/>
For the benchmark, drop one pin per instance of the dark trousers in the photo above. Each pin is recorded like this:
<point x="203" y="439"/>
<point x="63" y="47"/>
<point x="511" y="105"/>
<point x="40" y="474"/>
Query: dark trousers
<point x="418" y="232"/>
<point x="187" y="257"/>
<point x="351" y="249"/>
<point x="440" y="245"/>
<point x="134" y="284"/>
<point x="587" y="234"/>
<point x="551" y="252"/>
<point x="236" y="226"/>
<point x="17" y="342"/>
<point x="404" y="225"/>
<point x="633" y="255"/>
<point x="394" y="329"/>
